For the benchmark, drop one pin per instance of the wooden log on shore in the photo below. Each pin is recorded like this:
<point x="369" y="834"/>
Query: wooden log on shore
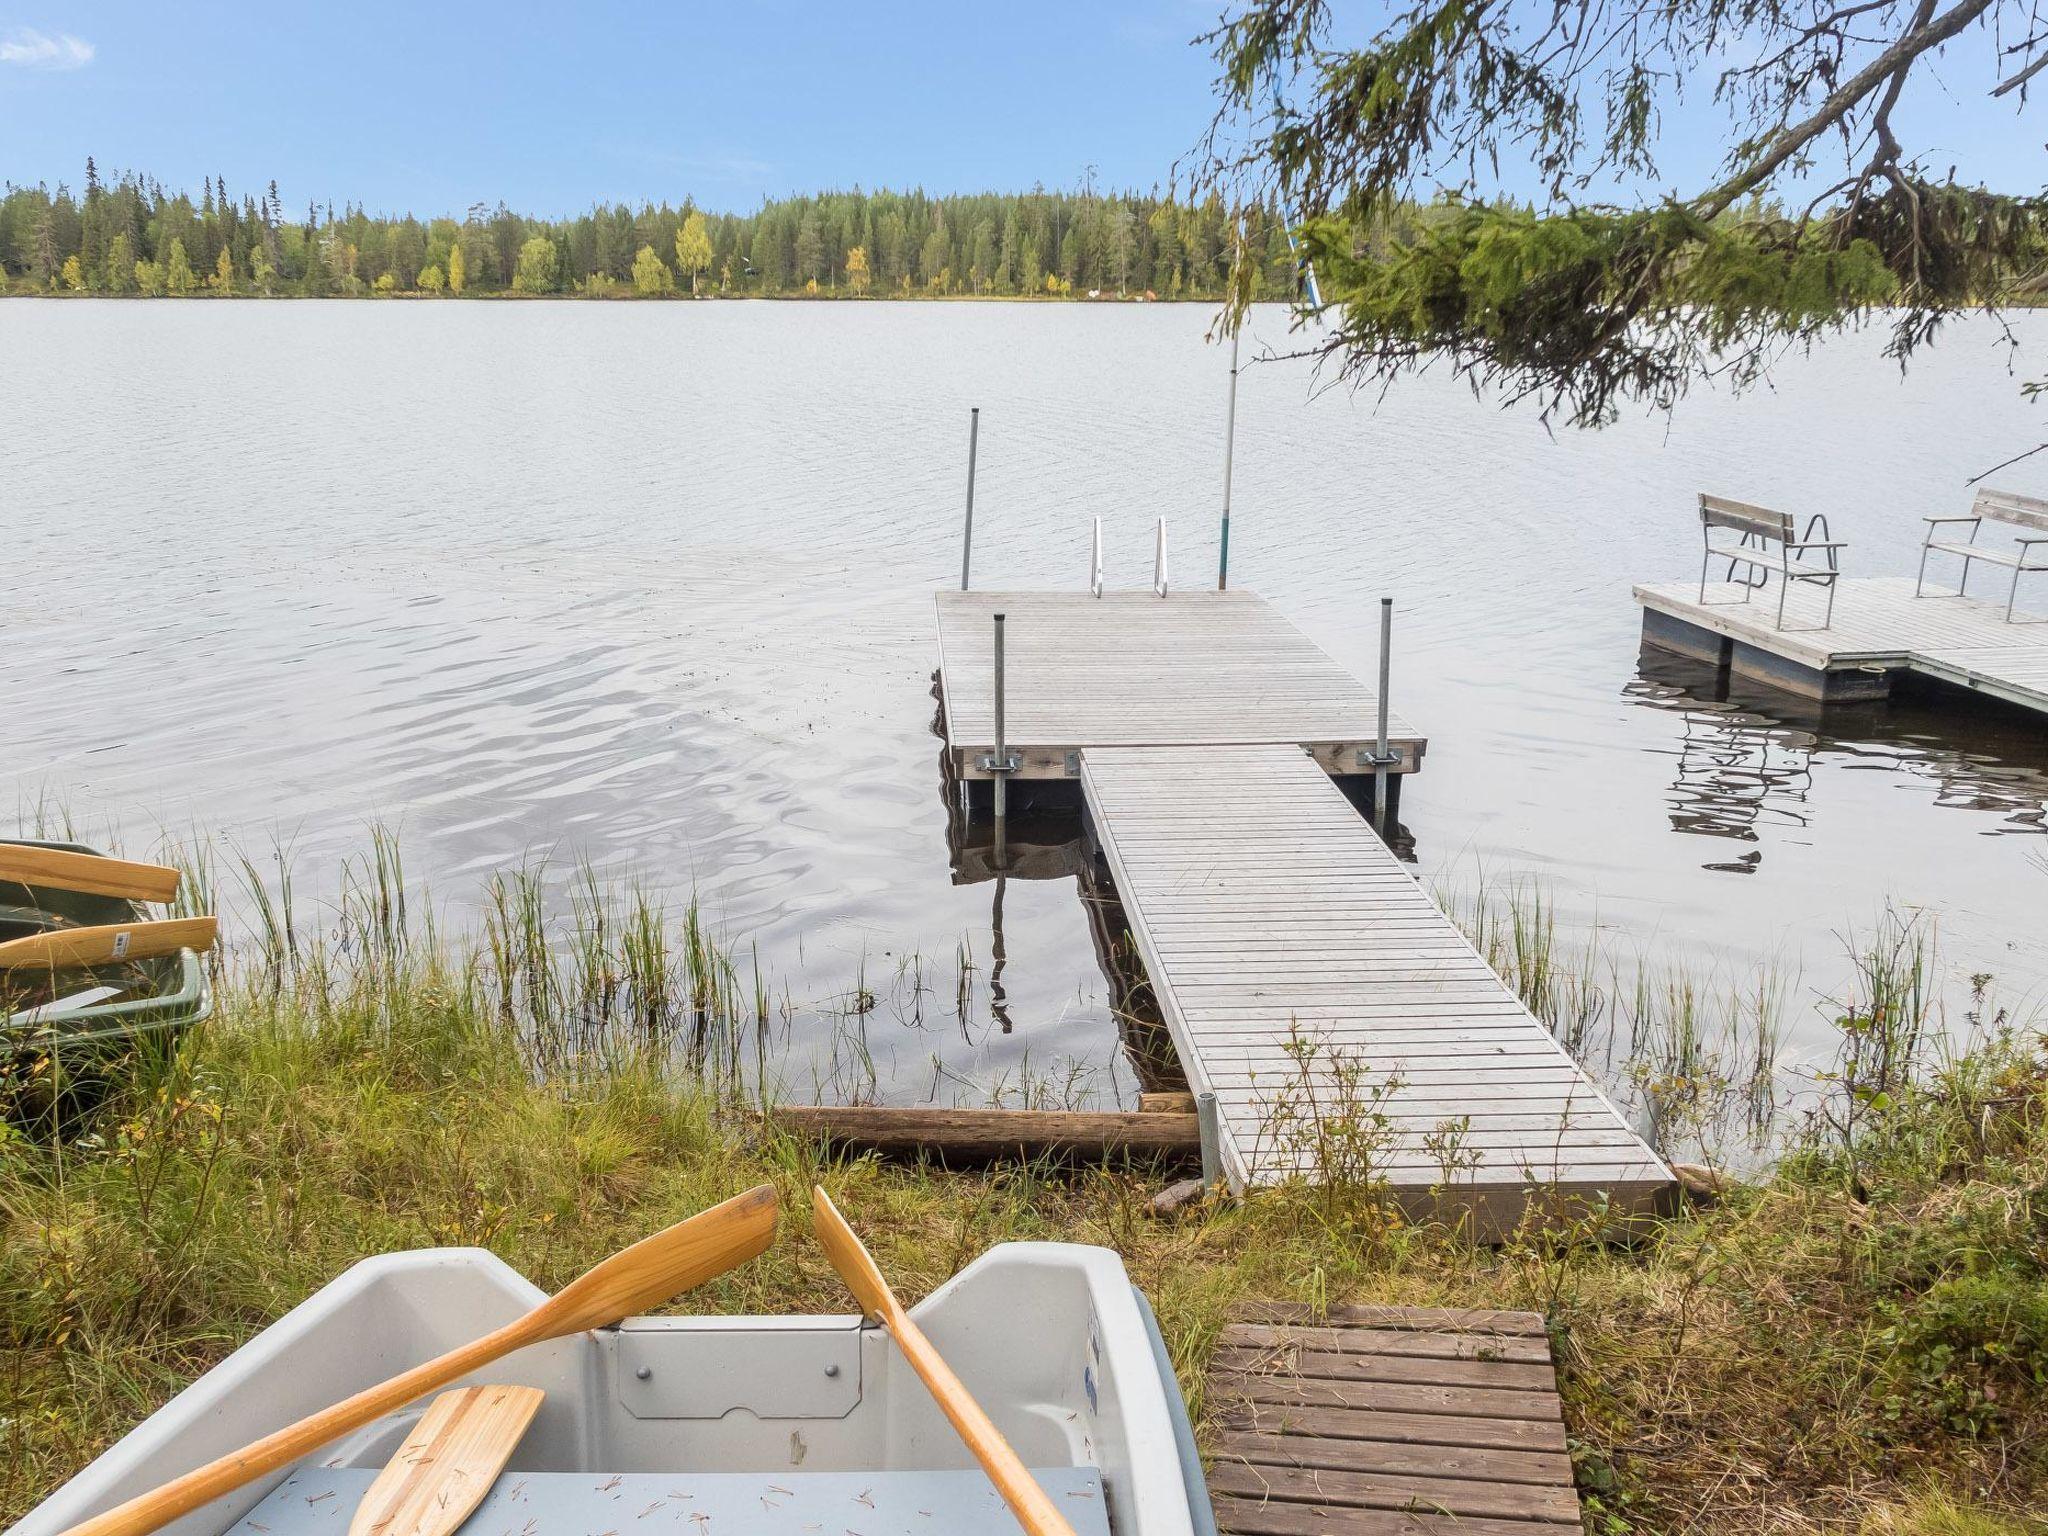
<point x="965" y="1137"/>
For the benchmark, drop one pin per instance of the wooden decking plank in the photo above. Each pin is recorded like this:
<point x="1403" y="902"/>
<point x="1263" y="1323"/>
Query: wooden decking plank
<point x="1240" y="1478"/>
<point x="1284" y="1390"/>
<point x="1419" y="1343"/>
<point x="1283" y="1449"/>
<point x="1255" y="1517"/>
<point x="1298" y="1360"/>
<point x="1440" y="1431"/>
<point x="1376" y="1316"/>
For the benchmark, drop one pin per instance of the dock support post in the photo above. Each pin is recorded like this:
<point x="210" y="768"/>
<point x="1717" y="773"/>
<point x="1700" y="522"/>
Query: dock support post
<point x="1229" y="446"/>
<point x="1001" y="764"/>
<point x="1159" y="558"/>
<point x="1380" y="755"/>
<point x="967" y="539"/>
<point x="1095" y="562"/>
<point x="1209" y="1121"/>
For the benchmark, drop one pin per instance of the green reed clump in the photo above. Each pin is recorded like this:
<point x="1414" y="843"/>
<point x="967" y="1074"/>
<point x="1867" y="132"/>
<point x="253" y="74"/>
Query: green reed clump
<point x="1694" y="1053"/>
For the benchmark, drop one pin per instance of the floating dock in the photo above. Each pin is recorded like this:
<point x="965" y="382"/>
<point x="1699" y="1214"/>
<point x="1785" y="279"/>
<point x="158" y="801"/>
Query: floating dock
<point x="1880" y="631"/>
<point x="1134" y="669"/>
<point x="1307" y="981"/>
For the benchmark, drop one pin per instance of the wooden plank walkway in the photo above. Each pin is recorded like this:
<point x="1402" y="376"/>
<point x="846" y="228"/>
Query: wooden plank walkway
<point x="1879" y="627"/>
<point x="1135" y="669"/>
<point x="1272" y="920"/>
<point x="1388" y="1421"/>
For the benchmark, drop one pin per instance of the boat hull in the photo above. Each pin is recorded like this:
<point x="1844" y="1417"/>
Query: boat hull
<point x="1051" y="1338"/>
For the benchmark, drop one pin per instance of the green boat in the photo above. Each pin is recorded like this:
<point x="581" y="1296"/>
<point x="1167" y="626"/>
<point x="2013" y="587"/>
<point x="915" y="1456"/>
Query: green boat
<point x="86" y="974"/>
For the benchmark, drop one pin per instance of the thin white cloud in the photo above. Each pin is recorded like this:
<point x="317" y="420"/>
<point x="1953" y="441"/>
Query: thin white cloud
<point x="38" y="50"/>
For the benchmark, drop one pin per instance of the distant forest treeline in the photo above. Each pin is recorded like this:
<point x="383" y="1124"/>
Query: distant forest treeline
<point x="130" y="236"/>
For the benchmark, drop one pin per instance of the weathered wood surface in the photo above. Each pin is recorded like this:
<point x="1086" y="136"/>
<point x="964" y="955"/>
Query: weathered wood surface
<point x="91" y="873"/>
<point x="2012" y="509"/>
<point x="1131" y="668"/>
<point x="1271" y="919"/>
<point x="970" y="1136"/>
<point x="1879" y="624"/>
<point x="1388" y="1421"/>
<point x="448" y="1464"/>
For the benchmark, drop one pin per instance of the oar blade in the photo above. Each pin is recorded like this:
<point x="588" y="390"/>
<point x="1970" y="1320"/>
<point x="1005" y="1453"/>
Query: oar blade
<point x="665" y="1265"/>
<point x="92" y="873"/>
<point x="83" y="948"/>
<point x="448" y="1463"/>
<point x="856" y="1266"/>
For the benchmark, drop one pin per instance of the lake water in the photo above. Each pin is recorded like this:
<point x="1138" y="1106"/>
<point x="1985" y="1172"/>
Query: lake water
<point x="650" y="585"/>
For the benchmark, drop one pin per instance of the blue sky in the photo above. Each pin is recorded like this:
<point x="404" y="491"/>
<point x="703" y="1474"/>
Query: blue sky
<point x="553" y="106"/>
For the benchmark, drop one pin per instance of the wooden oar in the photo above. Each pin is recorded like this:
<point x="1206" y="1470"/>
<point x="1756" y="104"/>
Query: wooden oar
<point x="68" y="948"/>
<point x="448" y="1463"/>
<point x="67" y="871"/>
<point x="1020" y="1490"/>
<point x="631" y="1280"/>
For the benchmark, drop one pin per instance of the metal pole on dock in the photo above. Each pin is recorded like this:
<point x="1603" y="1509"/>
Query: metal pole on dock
<point x="1001" y="762"/>
<point x="1229" y="446"/>
<point x="1380" y="759"/>
<point x="967" y="539"/>
<point x="1209" y="1124"/>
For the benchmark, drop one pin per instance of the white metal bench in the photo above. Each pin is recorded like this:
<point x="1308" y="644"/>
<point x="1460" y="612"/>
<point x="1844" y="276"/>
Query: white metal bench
<point x="1767" y="544"/>
<point x="2007" y="508"/>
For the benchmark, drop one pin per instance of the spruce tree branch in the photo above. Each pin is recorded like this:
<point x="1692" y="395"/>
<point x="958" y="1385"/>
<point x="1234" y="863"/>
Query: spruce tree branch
<point x="1895" y="60"/>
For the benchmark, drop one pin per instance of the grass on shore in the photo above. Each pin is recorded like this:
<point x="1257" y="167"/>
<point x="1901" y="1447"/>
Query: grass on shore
<point x="1857" y="1343"/>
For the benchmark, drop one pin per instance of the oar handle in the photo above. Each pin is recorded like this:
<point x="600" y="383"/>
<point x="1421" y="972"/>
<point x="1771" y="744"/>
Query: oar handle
<point x="1028" y="1502"/>
<point x="202" y="1485"/>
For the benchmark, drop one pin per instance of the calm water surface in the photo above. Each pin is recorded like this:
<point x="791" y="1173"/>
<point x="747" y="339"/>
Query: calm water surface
<point x="650" y="585"/>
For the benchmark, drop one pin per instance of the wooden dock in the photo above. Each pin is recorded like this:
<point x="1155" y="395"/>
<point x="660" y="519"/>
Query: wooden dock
<point x="1880" y="631"/>
<point x="1307" y="980"/>
<point x="1133" y="669"/>
<point x="1388" y="1421"/>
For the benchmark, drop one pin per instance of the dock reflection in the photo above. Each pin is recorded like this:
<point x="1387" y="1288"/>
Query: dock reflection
<point x="1746" y="755"/>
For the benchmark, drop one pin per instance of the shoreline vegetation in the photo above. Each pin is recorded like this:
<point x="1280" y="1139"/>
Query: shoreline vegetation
<point x="129" y="237"/>
<point x="1856" y="1340"/>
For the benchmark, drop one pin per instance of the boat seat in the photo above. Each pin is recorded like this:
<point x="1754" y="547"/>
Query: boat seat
<point x="320" y="1501"/>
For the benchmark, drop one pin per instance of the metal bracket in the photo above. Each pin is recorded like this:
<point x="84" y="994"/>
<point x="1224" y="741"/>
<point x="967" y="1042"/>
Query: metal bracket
<point x="773" y="1368"/>
<point x="1012" y="761"/>
<point x="1073" y="765"/>
<point x="1368" y="759"/>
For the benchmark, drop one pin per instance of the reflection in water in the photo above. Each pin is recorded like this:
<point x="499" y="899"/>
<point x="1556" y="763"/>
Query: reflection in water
<point x="1746" y="755"/>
